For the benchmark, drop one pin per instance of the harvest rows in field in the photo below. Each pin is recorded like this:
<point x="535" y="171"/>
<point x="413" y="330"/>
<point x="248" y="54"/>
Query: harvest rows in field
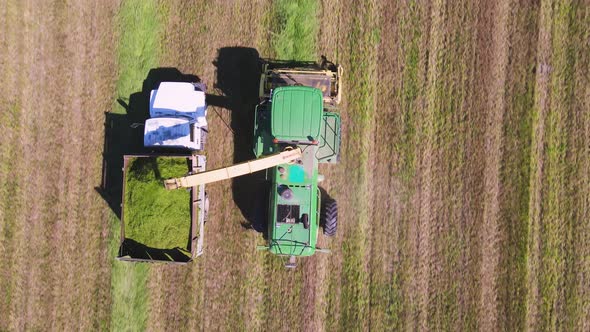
<point x="463" y="185"/>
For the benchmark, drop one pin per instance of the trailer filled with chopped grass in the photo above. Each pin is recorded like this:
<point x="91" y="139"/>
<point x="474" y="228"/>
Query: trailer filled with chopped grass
<point x="158" y="224"/>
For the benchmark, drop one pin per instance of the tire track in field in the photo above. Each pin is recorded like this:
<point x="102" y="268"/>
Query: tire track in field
<point x="331" y="42"/>
<point x="583" y="236"/>
<point x="11" y="197"/>
<point x="560" y="220"/>
<point x="56" y="254"/>
<point x="82" y="268"/>
<point x="65" y="195"/>
<point x="466" y="221"/>
<point x="515" y="177"/>
<point x="399" y="113"/>
<point x="324" y="297"/>
<point x="100" y="89"/>
<point x="488" y="304"/>
<point x="416" y="288"/>
<point x="449" y="183"/>
<point x="423" y="232"/>
<point x="390" y="127"/>
<point x="537" y="163"/>
<point x="65" y="186"/>
<point x="18" y="59"/>
<point x="31" y="308"/>
<point x="573" y="301"/>
<point x="441" y="240"/>
<point x="350" y="288"/>
<point x="451" y="301"/>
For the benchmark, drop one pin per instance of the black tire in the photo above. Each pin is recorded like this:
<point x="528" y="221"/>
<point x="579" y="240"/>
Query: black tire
<point x="330" y="217"/>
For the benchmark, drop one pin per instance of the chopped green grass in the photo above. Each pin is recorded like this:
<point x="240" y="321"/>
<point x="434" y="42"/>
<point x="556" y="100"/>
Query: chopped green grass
<point x="297" y="26"/>
<point x="154" y="216"/>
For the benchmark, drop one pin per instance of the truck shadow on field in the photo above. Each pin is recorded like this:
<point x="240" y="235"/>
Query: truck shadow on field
<point x="138" y="251"/>
<point x="124" y="133"/>
<point x="238" y="78"/>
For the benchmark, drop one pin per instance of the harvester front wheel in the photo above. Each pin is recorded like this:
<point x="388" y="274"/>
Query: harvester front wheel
<point x="330" y="218"/>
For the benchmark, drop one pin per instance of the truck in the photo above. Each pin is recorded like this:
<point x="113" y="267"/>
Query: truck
<point x="156" y="225"/>
<point x="178" y="116"/>
<point x="297" y="127"/>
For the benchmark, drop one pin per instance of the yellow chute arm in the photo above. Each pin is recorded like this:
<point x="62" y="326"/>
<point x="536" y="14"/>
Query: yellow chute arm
<point x="248" y="167"/>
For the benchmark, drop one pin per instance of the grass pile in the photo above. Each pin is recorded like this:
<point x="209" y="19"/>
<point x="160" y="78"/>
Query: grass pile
<point x="156" y="217"/>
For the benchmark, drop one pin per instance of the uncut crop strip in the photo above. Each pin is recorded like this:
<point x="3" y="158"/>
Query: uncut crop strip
<point x="138" y="23"/>
<point x="297" y="28"/>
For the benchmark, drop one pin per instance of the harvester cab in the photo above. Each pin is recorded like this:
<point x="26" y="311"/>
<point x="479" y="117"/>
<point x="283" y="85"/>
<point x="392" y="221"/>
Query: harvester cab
<point x="296" y="128"/>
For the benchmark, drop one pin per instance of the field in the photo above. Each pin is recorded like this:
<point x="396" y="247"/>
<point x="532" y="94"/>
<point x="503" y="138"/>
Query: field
<point x="463" y="187"/>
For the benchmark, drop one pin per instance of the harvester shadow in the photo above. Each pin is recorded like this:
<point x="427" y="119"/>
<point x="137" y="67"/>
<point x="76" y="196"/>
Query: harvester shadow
<point x="238" y="77"/>
<point x="124" y="133"/>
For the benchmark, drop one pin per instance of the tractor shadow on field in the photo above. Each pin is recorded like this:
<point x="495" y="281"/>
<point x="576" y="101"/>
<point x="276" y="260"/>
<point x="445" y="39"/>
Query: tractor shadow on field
<point x="238" y="76"/>
<point x="124" y="133"/>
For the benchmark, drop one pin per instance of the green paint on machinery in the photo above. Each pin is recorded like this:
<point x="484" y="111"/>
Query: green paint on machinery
<point x="297" y="110"/>
<point x="296" y="127"/>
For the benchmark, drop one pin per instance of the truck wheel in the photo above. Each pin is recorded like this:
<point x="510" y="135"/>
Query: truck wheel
<point x="330" y="218"/>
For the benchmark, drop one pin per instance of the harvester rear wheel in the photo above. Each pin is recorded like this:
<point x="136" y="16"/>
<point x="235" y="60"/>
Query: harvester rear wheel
<point x="330" y="218"/>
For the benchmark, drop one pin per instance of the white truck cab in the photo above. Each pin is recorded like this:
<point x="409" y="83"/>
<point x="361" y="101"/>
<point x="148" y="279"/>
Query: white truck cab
<point x="177" y="116"/>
